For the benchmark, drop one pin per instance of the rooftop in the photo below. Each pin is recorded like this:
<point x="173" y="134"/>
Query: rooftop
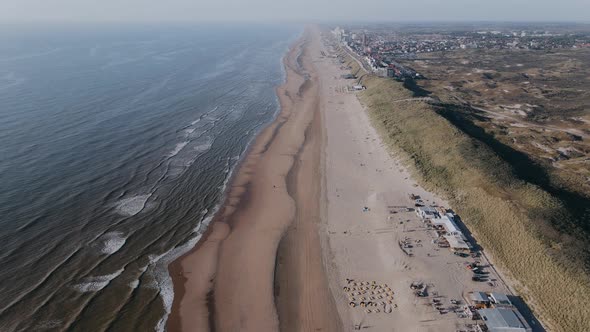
<point x="504" y="320"/>
<point x="428" y="210"/>
<point x="457" y="242"/>
<point x="500" y="298"/>
<point x="448" y="223"/>
<point x="479" y="297"/>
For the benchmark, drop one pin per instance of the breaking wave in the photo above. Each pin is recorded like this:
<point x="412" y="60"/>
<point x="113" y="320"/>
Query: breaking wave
<point x="134" y="284"/>
<point x="178" y="148"/>
<point x="161" y="278"/>
<point x="132" y="205"/>
<point x="94" y="284"/>
<point x="111" y="242"/>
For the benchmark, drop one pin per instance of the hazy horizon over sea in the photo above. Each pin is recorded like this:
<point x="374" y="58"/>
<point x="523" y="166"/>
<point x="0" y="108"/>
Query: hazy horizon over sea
<point x="116" y="144"/>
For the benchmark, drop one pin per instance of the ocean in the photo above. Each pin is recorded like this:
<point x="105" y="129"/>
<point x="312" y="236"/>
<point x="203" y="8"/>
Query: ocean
<point x="116" y="143"/>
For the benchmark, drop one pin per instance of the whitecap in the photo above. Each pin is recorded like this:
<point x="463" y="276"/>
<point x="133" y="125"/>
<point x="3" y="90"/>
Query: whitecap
<point x="159" y="263"/>
<point x="205" y="146"/>
<point x="132" y="205"/>
<point x="94" y="284"/>
<point x="178" y="148"/>
<point x="189" y="131"/>
<point x="112" y="242"/>
<point x="204" y="115"/>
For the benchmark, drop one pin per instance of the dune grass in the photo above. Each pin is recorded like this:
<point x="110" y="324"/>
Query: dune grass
<point x="509" y="217"/>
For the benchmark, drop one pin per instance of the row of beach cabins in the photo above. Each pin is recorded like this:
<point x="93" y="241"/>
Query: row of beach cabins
<point x="448" y="234"/>
<point x="495" y="310"/>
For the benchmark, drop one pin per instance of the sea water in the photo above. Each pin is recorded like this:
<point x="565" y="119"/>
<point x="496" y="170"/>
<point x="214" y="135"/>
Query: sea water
<point x="116" y="142"/>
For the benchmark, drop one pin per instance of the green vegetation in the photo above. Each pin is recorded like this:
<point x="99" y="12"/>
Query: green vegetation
<point x="510" y="218"/>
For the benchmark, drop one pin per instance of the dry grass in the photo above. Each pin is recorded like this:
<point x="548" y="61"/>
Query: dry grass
<point x="548" y="89"/>
<point x="507" y="216"/>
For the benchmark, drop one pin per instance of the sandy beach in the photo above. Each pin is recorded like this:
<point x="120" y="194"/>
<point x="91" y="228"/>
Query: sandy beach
<point x="275" y="192"/>
<point x="366" y="197"/>
<point x="310" y="209"/>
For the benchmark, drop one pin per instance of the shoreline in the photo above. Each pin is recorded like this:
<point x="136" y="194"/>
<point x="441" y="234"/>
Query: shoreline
<point x="302" y="292"/>
<point x="236" y="257"/>
<point x="309" y="211"/>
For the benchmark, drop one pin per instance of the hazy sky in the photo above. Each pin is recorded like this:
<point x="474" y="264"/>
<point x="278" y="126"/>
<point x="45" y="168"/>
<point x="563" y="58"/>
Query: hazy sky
<point x="298" y="10"/>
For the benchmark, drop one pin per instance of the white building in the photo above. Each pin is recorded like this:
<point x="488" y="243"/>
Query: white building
<point x="448" y="222"/>
<point x="454" y="236"/>
<point x="427" y="212"/>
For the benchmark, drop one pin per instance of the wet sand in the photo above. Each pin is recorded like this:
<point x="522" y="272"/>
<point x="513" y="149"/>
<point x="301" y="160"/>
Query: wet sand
<point x="309" y="208"/>
<point x="303" y="297"/>
<point x="228" y="279"/>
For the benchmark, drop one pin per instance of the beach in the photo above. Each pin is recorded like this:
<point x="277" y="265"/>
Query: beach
<point x="367" y="197"/>
<point x="309" y="212"/>
<point x="276" y="184"/>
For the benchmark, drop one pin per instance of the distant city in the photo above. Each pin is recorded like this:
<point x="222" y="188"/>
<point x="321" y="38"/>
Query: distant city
<point x="380" y="46"/>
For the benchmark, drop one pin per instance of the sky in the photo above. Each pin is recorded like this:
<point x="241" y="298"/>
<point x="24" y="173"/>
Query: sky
<point x="293" y="10"/>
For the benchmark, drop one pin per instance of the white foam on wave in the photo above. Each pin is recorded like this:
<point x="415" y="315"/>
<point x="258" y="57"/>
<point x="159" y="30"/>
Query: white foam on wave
<point x="189" y="131"/>
<point x="159" y="263"/>
<point x="94" y="284"/>
<point x="162" y="281"/>
<point x="201" y="117"/>
<point x="134" y="284"/>
<point x="204" y="146"/>
<point x="132" y="205"/>
<point x="180" y="162"/>
<point x="178" y="148"/>
<point x="212" y="118"/>
<point x="112" y="242"/>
